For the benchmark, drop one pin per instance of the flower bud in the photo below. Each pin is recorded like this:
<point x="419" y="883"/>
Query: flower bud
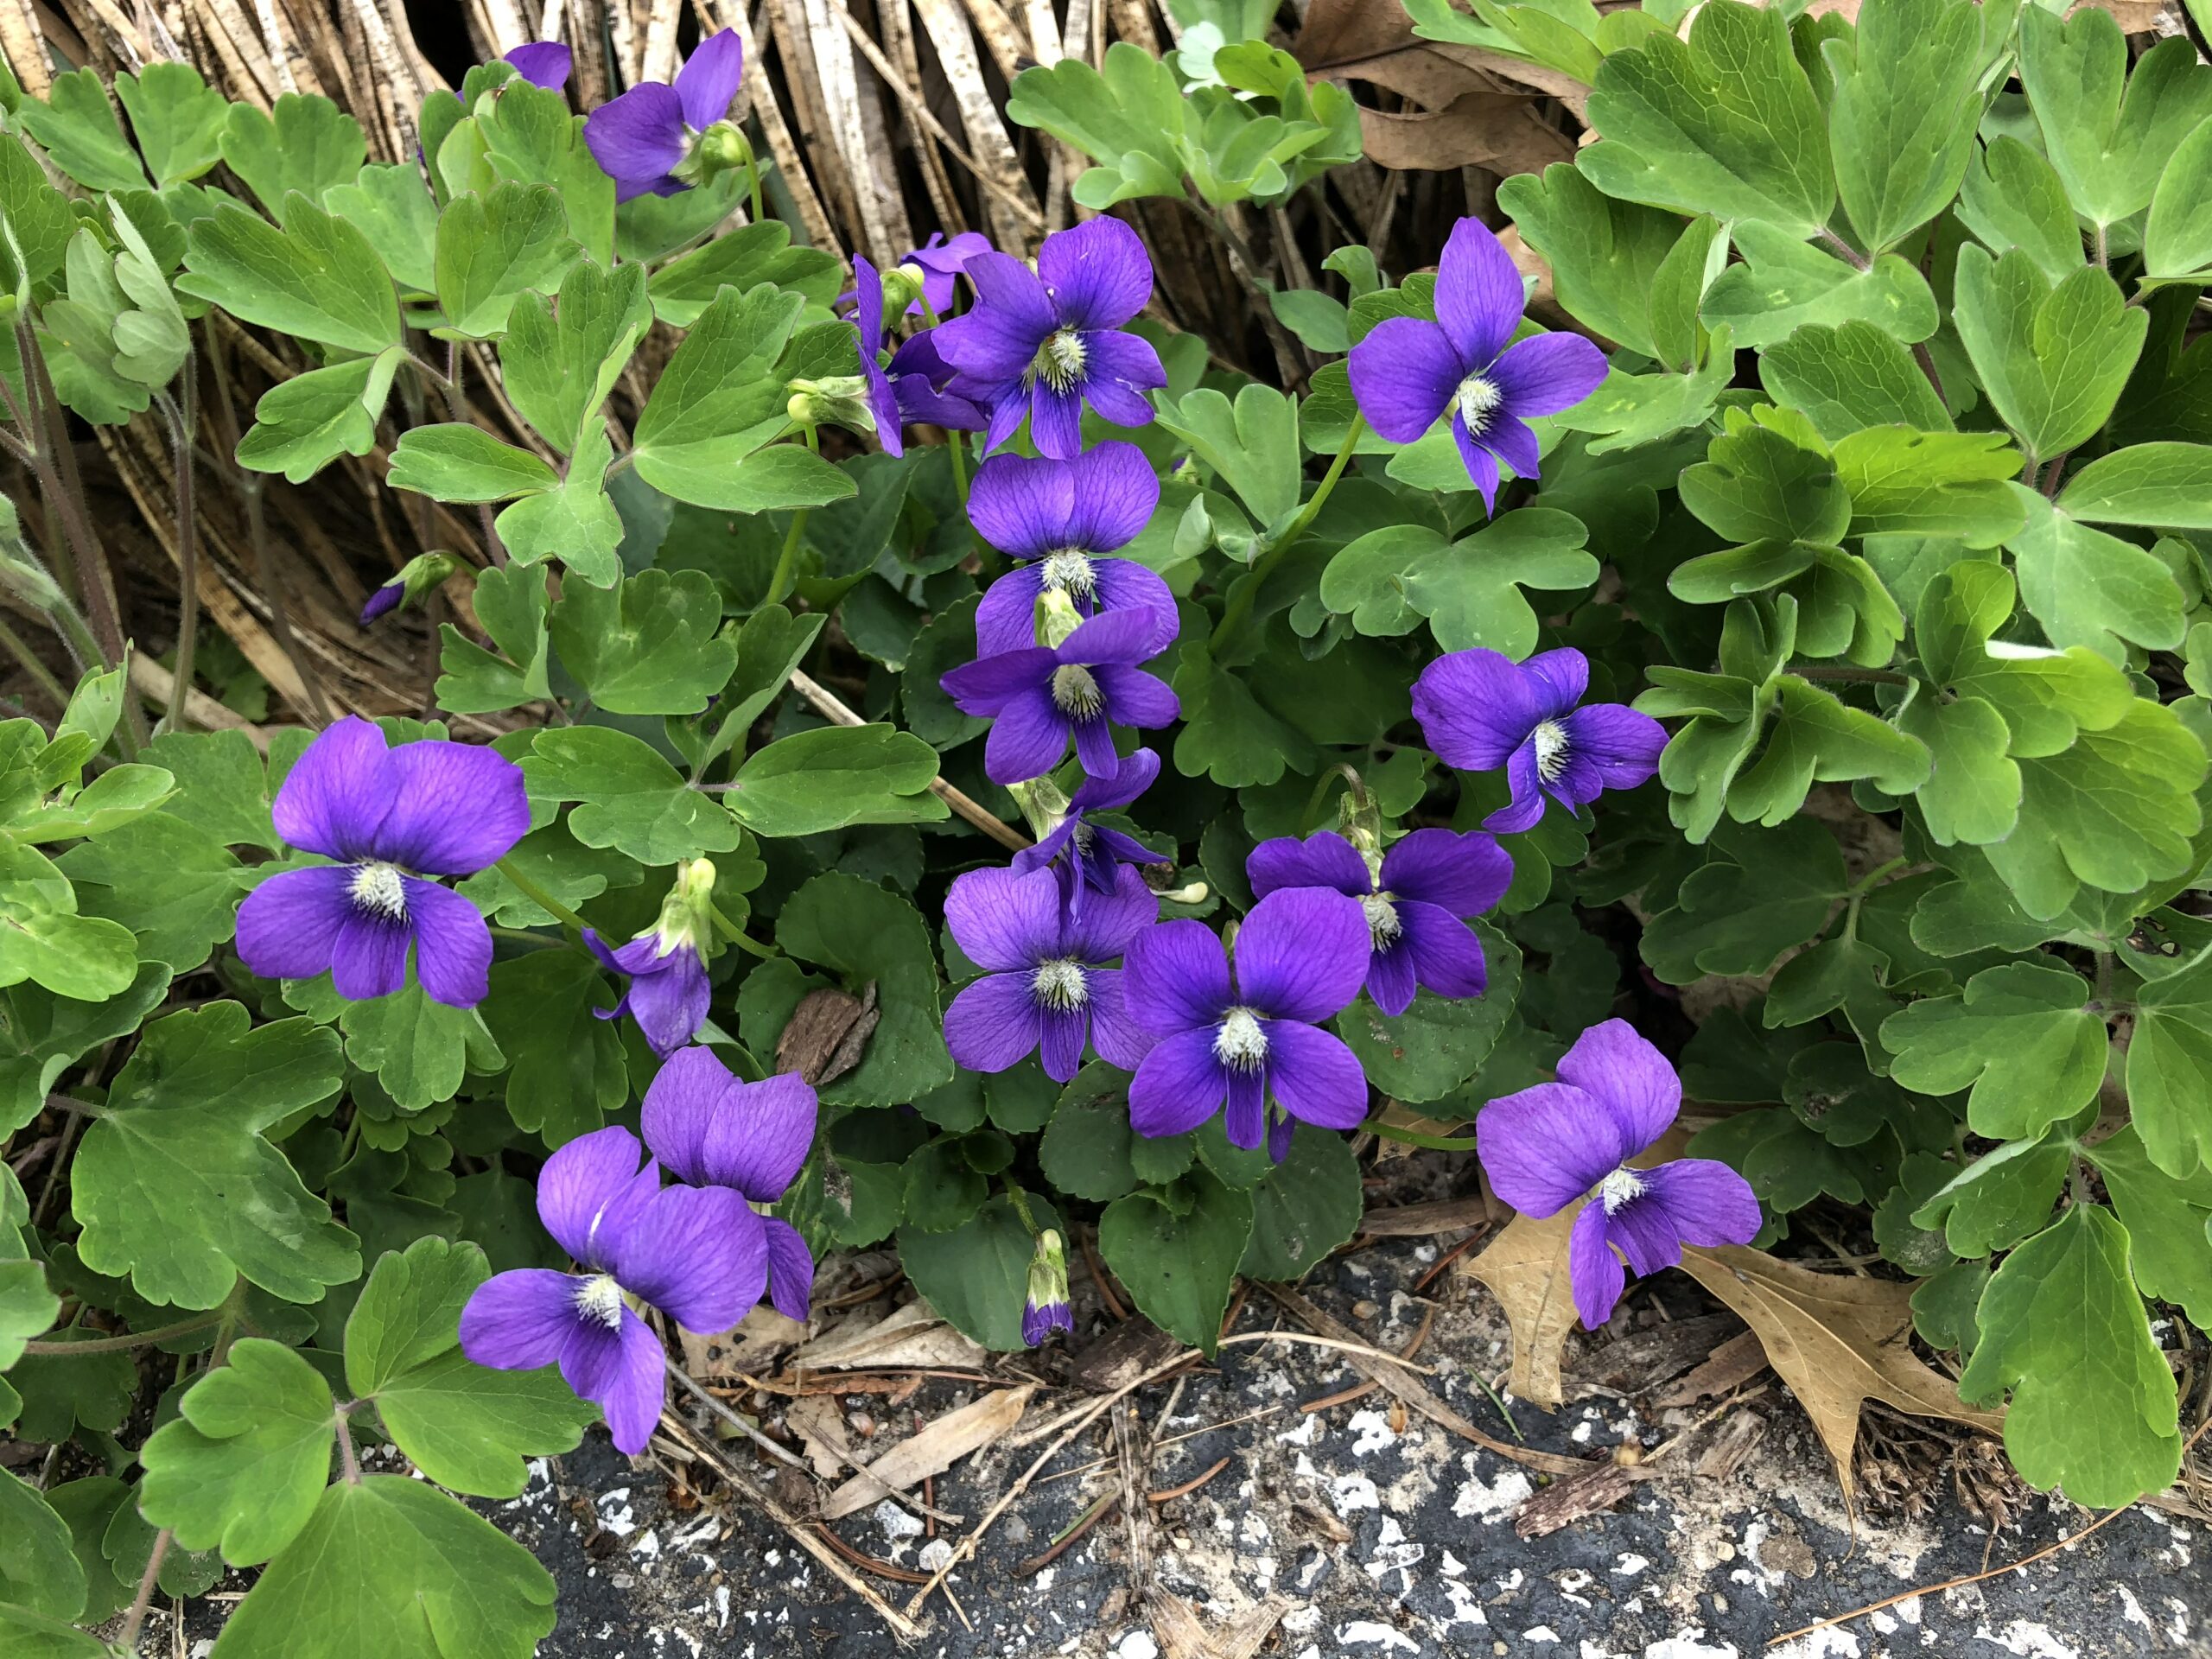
<point x="1359" y="820"/>
<point x="687" y="918"/>
<point x="417" y="580"/>
<point x="1046" y="1308"/>
<point x="838" y="400"/>
<point x="1042" y="804"/>
<point x="1057" y="618"/>
<point x="720" y="148"/>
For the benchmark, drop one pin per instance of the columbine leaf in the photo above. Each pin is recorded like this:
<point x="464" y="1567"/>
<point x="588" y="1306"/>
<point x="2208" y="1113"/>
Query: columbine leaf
<point x="559" y="364"/>
<point x="81" y="134"/>
<point x="317" y="277"/>
<point x="38" y="1568"/>
<point x="2168" y="485"/>
<point x="460" y="462"/>
<point x="2108" y="129"/>
<point x="1252" y="445"/>
<point x="717" y="401"/>
<point x="305" y="143"/>
<point x="175" y="1184"/>
<point x="389" y="1568"/>
<point x="1904" y="113"/>
<point x="742" y="258"/>
<point x="1851" y="376"/>
<point x="862" y="933"/>
<point x="2053" y="359"/>
<point x="303" y="424"/>
<point x="2093" y="1401"/>
<point x="1784" y="284"/>
<point x="647" y="646"/>
<point x="834" y="776"/>
<point x="2022" y="1037"/>
<point x="566" y="1069"/>
<point x="1605" y="254"/>
<point x="243" y="1466"/>
<point x="628" y="797"/>
<point x="2170" y="1069"/>
<point x="490" y="249"/>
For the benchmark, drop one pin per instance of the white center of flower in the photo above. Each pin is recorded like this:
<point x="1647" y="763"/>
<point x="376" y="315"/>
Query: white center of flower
<point x="1478" y="397"/>
<point x="1075" y="694"/>
<point x="1617" y="1188"/>
<point x="601" y="1298"/>
<point x="1382" y="923"/>
<point x="377" y="889"/>
<point x="1059" y="360"/>
<point x="1067" y="571"/>
<point x="1239" y="1041"/>
<point x="1060" y="984"/>
<point x="1550" y="738"/>
<point x="1082" y="835"/>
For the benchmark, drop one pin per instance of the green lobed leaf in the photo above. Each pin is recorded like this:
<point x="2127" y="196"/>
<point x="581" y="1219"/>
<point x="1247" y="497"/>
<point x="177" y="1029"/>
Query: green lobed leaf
<point x="317" y="277"/>
<point x="650" y="645"/>
<point x="38" y="1568"/>
<point x="2022" y="1037"/>
<point x="491" y="249"/>
<point x="628" y="797"/>
<point x="1178" y="1253"/>
<point x="462" y="463"/>
<point x="305" y="144"/>
<point x="2108" y="130"/>
<point x="1902" y="116"/>
<point x="864" y="934"/>
<point x="834" y="776"/>
<point x="2053" y="359"/>
<point x="977" y="1273"/>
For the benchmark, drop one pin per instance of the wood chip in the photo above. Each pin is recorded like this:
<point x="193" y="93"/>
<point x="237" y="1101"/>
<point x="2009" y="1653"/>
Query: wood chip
<point x="1737" y="1436"/>
<point x="933" y="1450"/>
<point x="1125" y="1351"/>
<point x="828" y="1033"/>
<point x="1421" y="1220"/>
<point x="1731" y="1365"/>
<point x="1646" y="1358"/>
<point x="1181" y="1635"/>
<point x="1598" y="1488"/>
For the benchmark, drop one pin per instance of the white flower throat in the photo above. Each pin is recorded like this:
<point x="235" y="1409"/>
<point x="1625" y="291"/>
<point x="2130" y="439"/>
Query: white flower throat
<point x="600" y="1299"/>
<point x="1067" y="571"/>
<point x="1240" y="1042"/>
<point x="1477" y="398"/>
<point x="1060" y="984"/>
<point x="1550" y="739"/>
<point x="1075" y="693"/>
<point x="1618" y="1189"/>
<point x="1382" y="923"/>
<point x="1059" y="361"/>
<point x="377" y="887"/>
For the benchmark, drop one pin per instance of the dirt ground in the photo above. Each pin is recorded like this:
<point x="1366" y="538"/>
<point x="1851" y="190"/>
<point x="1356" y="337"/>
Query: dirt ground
<point x="1358" y="1530"/>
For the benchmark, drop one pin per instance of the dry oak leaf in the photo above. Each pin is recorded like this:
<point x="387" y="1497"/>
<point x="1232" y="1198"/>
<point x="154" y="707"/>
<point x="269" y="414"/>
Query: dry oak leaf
<point x="1838" y="1342"/>
<point x="932" y="1452"/>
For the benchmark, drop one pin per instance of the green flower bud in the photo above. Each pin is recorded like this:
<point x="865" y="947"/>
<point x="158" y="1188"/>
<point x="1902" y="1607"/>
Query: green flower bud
<point x="837" y="400"/>
<point x="1042" y="804"/>
<point x="1057" y="618"/>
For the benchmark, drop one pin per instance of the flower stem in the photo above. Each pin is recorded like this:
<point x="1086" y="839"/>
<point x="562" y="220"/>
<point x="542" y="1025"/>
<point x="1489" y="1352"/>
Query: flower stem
<point x="1860" y="889"/>
<point x="126" y="1639"/>
<point x="537" y="895"/>
<point x="787" y="560"/>
<point x="130" y="1339"/>
<point x="738" y="936"/>
<point x="1439" y="1142"/>
<point x="1248" y="591"/>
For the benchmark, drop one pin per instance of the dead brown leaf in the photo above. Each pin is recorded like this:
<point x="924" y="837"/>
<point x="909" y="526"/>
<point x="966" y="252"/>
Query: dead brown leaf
<point x="828" y="1033"/>
<point x="1183" y="1637"/>
<point x="1838" y="1342"/>
<point x="1525" y="1266"/>
<point x="1731" y="1365"/>
<point x="910" y="1337"/>
<point x="760" y="1335"/>
<point x="933" y="1450"/>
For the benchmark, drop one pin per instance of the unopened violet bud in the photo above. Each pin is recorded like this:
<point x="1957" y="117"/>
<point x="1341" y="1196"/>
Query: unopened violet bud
<point x="417" y="580"/>
<point x="836" y="400"/>
<point x="1057" y="618"/>
<point x="1044" y="1309"/>
<point x="719" y="148"/>
<point x="1359" y="820"/>
<point x="668" y="993"/>
<point x="1043" y="804"/>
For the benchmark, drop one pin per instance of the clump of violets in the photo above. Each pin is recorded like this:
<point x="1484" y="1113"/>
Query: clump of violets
<point x="1043" y="343"/>
<point x="666" y="965"/>
<point x="1412" y="897"/>
<point x="1045" y="987"/>
<point x="419" y="578"/>
<point x="658" y="139"/>
<point x="1077" y="687"/>
<point x="543" y="63"/>
<point x="1253" y="1040"/>
<point x="1546" y="1147"/>
<point x="1479" y="710"/>
<point x="1060" y="518"/>
<point x="1045" y="1307"/>
<point x="389" y="819"/>
<point x="1407" y="371"/>
<point x="715" y="1130"/>
<point x="681" y="1250"/>
<point x="1088" y="858"/>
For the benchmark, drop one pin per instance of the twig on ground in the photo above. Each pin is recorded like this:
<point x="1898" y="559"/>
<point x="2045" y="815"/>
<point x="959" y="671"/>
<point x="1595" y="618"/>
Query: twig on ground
<point x="1073" y="1535"/>
<point x="672" y="1423"/>
<point x="866" y="1562"/>
<point x="1187" y="1487"/>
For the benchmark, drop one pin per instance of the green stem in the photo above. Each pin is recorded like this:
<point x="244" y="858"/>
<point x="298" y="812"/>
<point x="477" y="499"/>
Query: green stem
<point x="131" y="1339"/>
<point x="537" y="895"/>
<point x="738" y="936"/>
<point x="28" y="660"/>
<point x="1020" y="1202"/>
<point x="1860" y="889"/>
<point x="753" y="183"/>
<point x="787" y="560"/>
<point x="1411" y="1138"/>
<point x="1248" y="591"/>
<point x="959" y="448"/>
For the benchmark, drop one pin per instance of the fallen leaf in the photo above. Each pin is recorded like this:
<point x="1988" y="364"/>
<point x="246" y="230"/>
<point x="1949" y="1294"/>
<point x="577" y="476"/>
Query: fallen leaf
<point x="828" y="1033"/>
<point x="1182" y="1636"/>
<point x="914" y="1338"/>
<point x="1525" y="1266"/>
<point x="1837" y="1341"/>
<point x="819" y="1422"/>
<point x="760" y="1335"/>
<point x="932" y="1452"/>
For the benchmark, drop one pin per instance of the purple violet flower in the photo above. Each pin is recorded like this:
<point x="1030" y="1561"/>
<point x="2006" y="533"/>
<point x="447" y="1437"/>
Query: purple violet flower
<point x="385" y="600"/>
<point x="882" y="398"/>
<point x="1407" y="371"/>
<point x="1042" y="343"/>
<point x="1429" y="881"/>
<point x="1044" y="985"/>
<point x="542" y="63"/>
<point x="1479" y="710"/>
<point x="668" y="992"/>
<point x="941" y="263"/>
<point x="1058" y="516"/>
<point x="925" y="383"/>
<point x="1302" y="955"/>
<point x="1042" y="695"/>
<point x="389" y="817"/>
<point x="1549" y="1146"/>
<point x="1094" y="855"/>
<point x="643" y="137"/>
<point x="713" y="1129"/>
<point x="1045" y="1302"/>
<point x="680" y="1249"/>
